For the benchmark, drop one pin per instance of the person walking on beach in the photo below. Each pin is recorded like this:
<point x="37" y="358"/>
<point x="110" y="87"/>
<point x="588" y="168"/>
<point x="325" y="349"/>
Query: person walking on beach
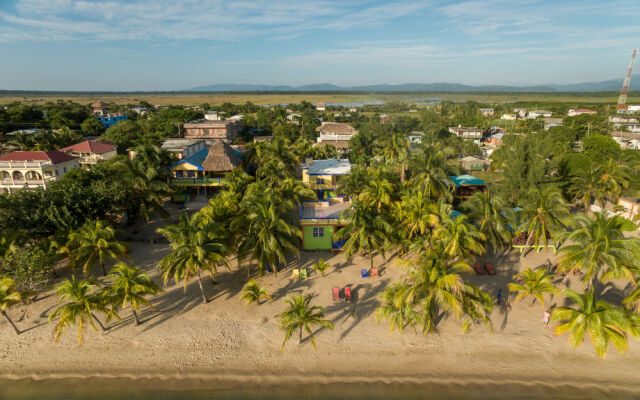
<point x="499" y="296"/>
<point x="545" y="318"/>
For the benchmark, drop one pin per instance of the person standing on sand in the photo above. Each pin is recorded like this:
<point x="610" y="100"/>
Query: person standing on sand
<point x="545" y="318"/>
<point x="499" y="296"/>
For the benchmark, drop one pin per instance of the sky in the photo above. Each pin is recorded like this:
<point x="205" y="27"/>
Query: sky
<point x="130" y="45"/>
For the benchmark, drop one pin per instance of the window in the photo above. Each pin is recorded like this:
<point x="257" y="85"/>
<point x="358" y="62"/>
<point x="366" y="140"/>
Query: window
<point x="319" y="181"/>
<point x="191" y="174"/>
<point x="56" y="172"/>
<point x="178" y="174"/>
<point x="318" y="232"/>
<point x="65" y="170"/>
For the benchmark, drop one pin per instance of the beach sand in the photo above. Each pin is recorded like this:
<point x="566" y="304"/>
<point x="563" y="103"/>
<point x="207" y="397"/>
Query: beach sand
<point x="226" y="340"/>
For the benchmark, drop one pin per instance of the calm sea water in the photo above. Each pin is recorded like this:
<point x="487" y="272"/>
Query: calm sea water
<point x="198" y="389"/>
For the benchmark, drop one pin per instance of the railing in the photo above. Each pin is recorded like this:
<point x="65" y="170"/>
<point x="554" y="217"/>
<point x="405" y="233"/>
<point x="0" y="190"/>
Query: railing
<point x="24" y="164"/>
<point x="198" y="181"/>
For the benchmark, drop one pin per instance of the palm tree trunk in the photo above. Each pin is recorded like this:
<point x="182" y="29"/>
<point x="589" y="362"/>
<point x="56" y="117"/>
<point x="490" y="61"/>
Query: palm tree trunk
<point x="104" y="271"/>
<point x="99" y="322"/>
<point x="135" y="316"/>
<point x="15" y="328"/>
<point x="300" y="334"/>
<point x="371" y="258"/>
<point x="204" y="297"/>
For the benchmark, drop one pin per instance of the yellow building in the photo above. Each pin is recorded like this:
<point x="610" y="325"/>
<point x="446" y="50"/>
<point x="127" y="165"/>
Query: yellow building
<point x="322" y="175"/>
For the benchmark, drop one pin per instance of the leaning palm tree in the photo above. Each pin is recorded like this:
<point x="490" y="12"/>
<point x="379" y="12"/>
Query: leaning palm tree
<point x="129" y="287"/>
<point x="366" y="231"/>
<point x="492" y="217"/>
<point x="542" y="215"/>
<point x="605" y="322"/>
<point x="598" y="247"/>
<point x="396" y="309"/>
<point x="81" y="300"/>
<point x="534" y="283"/>
<point x="301" y="316"/>
<point x="10" y="296"/>
<point x="197" y="246"/>
<point x="94" y="242"/>
<point x="267" y="237"/>
<point x="458" y="238"/>
<point x="252" y="291"/>
<point x="418" y="214"/>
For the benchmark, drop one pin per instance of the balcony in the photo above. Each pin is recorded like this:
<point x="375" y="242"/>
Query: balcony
<point x="198" y="181"/>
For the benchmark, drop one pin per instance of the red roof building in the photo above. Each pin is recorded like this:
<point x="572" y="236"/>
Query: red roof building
<point x="91" y="152"/>
<point x="32" y="169"/>
<point x="55" y="157"/>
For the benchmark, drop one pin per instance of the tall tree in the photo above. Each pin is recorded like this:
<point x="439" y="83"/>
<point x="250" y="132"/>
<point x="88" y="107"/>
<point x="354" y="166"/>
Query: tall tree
<point x="301" y="316"/>
<point x="148" y="190"/>
<point x="197" y="247"/>
<point x="492" y="218"/>
<point x="94" y="242"/>
<point x="542" y="215"/>
<point x="129" y="287"/>
<point x="534" y="283"/>
<point x="10" y="296"/>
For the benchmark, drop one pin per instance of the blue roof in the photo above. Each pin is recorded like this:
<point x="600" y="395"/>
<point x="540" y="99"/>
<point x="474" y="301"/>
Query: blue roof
<point x="455" y="214"/>
<point x="466" y="180"/>
<point x="196" y="159"/>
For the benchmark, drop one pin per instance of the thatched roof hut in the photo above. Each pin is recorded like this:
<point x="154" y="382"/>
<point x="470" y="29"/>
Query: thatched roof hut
<point x="221" y="157"/>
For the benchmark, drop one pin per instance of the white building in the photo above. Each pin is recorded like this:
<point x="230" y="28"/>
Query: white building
<point x="486" y="112"/>
<point x="467" y="132"/>
<point x="538" y="113"/>
<point x="580" y="111"/>
<point x="509" y="117"/>
<point x="633" y="109"/>
<point x="522" y="112"/>
<point x="32" y="169"/>
<point x="183" y="148"/>
<point x="91" y="152"/>
<point x="321" y="107"/>
<point x="336" y="134"/>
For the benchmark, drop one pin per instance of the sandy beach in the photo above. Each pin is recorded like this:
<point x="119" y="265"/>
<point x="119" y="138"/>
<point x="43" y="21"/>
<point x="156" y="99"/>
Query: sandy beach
<point x="226" y="340"/>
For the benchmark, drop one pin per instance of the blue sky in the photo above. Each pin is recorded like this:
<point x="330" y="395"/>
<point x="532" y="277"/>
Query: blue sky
<point x="173" y="44"/>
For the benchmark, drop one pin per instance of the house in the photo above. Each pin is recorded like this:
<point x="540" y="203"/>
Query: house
<point x="100" y="107"/>
<point x="322" y="175"/>
<point x="415" y="138"/>
<point x="91" y="152"/>
<point x="467" y="133"/>
<point x="486" y="112"/>
<point x="319" y="222"/>
<point x="580" y="111"/>
<point x="212" y="116"/>
<point x="32" y="169"/>
<point x="108" y="120"/>
<point x="631" y="207"/>
<point x="384" y="118"/>
<point x="627" y="140"/>
<point x="471" y="163"/>
<point x="633" y="109"/>
<point x="337" y="134"/>
<point x="495" y="139"/>
<point x="183" y="148"/>
<point x="467" y="185"/>
<point x="631" y="123"/>
<point x="522" y="112"/>
<point x="211" y="130"/>
<point x="140" y="111"/>
<point x="207" y="168"/>
<point x="539" y="113"/>
<point x="552" y="125"/>
<point x="31" y="131"/>
<point x="509" y="117"/>
<point x="321" y="107"/>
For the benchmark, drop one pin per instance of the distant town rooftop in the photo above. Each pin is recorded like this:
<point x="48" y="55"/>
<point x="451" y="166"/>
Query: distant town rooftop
<point x="328" y="167"/>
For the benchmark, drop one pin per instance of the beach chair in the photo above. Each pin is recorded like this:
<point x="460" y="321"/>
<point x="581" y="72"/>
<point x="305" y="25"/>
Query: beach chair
<point x="490" y="269"/>
<point x="295" y="274"/>
<point x="375" y="273"/>
<point x="479" y="269"/>
<point x="347" y="293"/>
<point x="336" y="294"/>
<point x="364" y="273"/>
<point x="303" y="273"/>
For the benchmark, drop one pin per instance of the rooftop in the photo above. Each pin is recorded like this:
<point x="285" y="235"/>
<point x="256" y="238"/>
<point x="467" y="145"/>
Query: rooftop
<point x="466" y="180"/>
<point x="206" y="122"/>
<point x="328" y="167"/>
<point x="219" y="157"/>
<point x="339" y="128"/>
<point x="54" y="156"/>
<point x="91" y="146"/>
<point x="464" y="128"/>
<point x="179" y="144"/>
<point x="322" y="210"/>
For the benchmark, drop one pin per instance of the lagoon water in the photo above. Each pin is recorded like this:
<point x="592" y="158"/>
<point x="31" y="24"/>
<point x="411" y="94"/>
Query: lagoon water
<point x="201" y="389"/>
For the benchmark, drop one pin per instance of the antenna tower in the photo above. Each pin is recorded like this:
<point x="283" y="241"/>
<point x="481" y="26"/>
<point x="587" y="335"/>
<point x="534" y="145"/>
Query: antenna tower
<point x="622" y="100"/>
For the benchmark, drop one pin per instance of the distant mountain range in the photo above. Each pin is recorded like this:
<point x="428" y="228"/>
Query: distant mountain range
<point x="603" y="86"/>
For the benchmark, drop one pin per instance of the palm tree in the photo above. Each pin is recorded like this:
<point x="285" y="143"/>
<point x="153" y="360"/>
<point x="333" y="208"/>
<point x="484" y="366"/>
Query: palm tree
<point x="94" y="242"/>
<point x="616" y="179"/>
<point x="301" y="315"/>
<point x="266" y="236"/>
<point x="433" y="286"/>
<point x="197" y="247"/>
<point x="10" y="296"/>
<point x="458" y="238"/>
<point x="129" y="287"/>
<point x="252" y="291"/>
<point x="21" y="141"/>
<point x="366" y="231"/>
<point x="397" y="152"/>
<point x="82" y="300"/>
<point x="605" y="322"/>
<point x="355" y="182"/>
<point x="418" y="214"/>
<point x="378" y="192"/>
<point x="542" y="215"/>
<point x="321" y="266"/>
<point x="492" y="218"/>
<point x="147" y="187"/>
<point x="295" y="190"/>
<point x="394" y="308"/>
<point x="429" y="171"/>
<point x="587" y="185"/>
<point x="632" y="301"/>
<point x="534" y="283"/>
<point x="597" y="246"/>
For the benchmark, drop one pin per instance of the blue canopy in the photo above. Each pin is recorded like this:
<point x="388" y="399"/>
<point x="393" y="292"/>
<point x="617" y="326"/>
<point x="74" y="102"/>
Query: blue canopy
<point x="466" y="180"/>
